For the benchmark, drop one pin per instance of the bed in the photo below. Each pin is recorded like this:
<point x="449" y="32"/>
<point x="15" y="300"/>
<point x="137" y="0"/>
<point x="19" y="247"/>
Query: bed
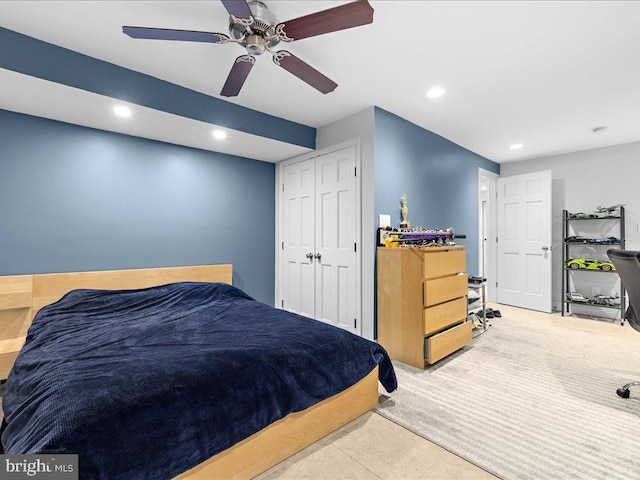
<point x="178" y="366"/>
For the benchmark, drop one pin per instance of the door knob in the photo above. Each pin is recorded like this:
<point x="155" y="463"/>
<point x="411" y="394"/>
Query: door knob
<point x="309" y="256"/>
<point x="318" y="256"/>
<point x="546" y="248"/>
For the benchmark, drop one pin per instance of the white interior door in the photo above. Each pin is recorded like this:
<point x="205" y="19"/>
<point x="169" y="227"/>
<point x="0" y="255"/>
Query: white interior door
<point x="298" y="238"/>
<point x="336" y="292"/>
<point x="524" y="241"/>
<point x="318" y="266"/>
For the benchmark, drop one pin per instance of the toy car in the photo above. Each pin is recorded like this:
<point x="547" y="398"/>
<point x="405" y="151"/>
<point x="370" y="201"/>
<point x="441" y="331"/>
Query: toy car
<point x="583" y="215"/>
<point x="589" y="264"/>
<point x="607" y="241"/>
<point x="576" y="297"/>
<point x="597" y="241"/>
<point x="605" y="300"/>
<point x="576" y="240"/>
<point x="610" y="210"/>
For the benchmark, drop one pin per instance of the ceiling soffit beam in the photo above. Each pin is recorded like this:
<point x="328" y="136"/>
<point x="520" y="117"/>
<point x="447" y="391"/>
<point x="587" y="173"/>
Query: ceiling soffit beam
<point x="30" y="56"/>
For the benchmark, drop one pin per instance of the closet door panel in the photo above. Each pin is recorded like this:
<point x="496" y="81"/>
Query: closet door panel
<point x="298" y="283"/>
<point x="335" y="238"/>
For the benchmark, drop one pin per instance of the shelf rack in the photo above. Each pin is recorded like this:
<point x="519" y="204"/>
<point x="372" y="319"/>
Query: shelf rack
<point x="481" y="288"/>
<point x="566" y="220"/>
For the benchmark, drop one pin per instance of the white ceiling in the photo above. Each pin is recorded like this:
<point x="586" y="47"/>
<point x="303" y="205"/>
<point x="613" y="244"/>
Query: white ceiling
<point x="543" y="74"/>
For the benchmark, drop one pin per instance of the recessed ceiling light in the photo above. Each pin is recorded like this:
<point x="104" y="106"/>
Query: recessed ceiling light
<point x="122" y="111"/>
<point x="516" y="146"/>
<point x="436" y="92"/>
<point x="219" y="134"/>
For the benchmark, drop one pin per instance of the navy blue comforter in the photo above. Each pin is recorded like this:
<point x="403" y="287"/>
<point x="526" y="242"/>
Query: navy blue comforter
<point x="148" y="383"/>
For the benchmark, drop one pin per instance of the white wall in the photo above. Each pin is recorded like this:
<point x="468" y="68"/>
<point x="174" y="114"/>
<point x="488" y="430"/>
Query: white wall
<point x="360" y="125"/>
<point x="582" y="181"/>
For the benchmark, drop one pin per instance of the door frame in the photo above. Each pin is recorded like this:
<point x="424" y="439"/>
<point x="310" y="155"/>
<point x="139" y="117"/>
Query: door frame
<point x="491" y="273"/>
<point x="358" y="220"/>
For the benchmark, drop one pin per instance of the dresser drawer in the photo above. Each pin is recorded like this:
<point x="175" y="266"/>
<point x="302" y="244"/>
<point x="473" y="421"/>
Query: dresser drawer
<point x="441" y="290"/>
<point x="441" y="316"/>
<point x="440" y="264"/>
<point x="440" y="345"/>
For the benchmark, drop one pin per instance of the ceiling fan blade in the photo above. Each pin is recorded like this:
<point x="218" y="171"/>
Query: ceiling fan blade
<point x="346" y="16"/>
<point x="237" y="75"/>
<point x="304" y="71"/>
<point x="169" y="34"/>
<point x="238" y="8"/>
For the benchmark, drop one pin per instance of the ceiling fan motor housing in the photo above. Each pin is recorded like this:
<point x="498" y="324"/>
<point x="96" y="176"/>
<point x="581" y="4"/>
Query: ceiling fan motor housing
<point x="255" y="44"/>
<point x="264" y="25"/>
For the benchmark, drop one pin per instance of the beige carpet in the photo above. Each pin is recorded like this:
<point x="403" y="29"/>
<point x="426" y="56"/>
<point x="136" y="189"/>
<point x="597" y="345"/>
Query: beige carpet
<point x="532" y="398"/>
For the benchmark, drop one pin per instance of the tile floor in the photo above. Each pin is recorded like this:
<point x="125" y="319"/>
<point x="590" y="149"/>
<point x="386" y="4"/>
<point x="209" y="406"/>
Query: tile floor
<point x="372" y="448"/>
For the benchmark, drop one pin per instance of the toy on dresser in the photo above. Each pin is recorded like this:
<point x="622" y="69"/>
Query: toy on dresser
<point x="416" y="237"/>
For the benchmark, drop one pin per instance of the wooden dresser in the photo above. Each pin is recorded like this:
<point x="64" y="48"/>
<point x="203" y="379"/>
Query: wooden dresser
<point x="422" y="304"/>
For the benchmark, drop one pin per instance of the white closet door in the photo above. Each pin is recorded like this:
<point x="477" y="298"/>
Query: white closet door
<point x="298" y="264"/>
<point x="336" y="256"/>
<point x="318" y="265"/>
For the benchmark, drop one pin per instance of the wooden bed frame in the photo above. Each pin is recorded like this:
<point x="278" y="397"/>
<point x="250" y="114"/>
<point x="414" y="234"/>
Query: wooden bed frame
<point x="22" y="296"/>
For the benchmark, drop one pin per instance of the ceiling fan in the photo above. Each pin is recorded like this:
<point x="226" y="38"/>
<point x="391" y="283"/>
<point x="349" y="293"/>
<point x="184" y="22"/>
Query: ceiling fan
<point x="253" y="26"/>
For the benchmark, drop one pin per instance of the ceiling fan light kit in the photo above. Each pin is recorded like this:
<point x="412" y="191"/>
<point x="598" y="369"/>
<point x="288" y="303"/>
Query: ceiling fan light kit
<point x="253" y="26"/>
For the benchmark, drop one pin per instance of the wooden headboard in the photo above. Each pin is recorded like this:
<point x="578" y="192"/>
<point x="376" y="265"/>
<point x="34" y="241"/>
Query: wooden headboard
<point x="21" y="297"/>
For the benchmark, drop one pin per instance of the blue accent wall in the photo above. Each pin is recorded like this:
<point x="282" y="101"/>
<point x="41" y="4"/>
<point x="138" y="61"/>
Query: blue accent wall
<point x="77" y="199"/>
<point x="439" y="178"/>
<point x="30" y="56"/>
